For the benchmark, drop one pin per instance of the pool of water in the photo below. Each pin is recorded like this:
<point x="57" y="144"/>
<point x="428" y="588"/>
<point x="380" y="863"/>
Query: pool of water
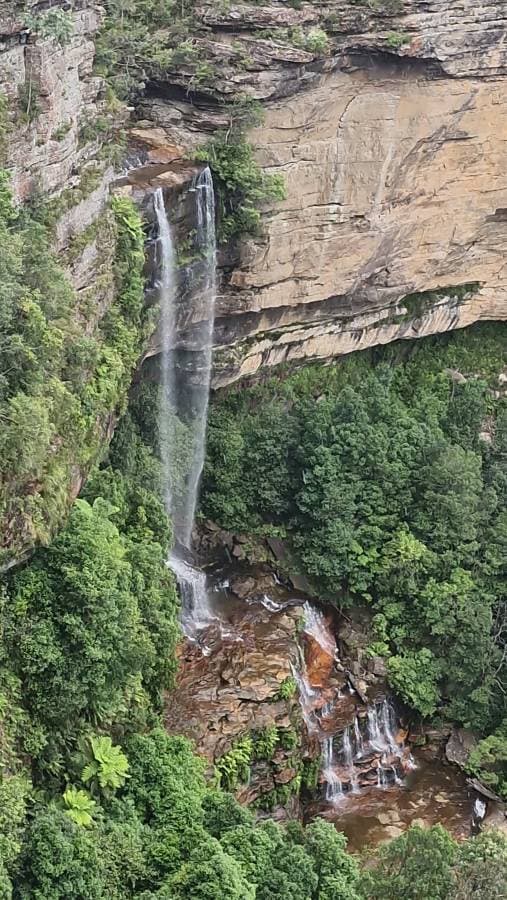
<point x="432" y="793"/>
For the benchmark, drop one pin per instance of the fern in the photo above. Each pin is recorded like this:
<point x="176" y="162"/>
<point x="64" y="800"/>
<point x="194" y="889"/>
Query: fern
<point x="79" y="806"/>
<point x="108" y="768"/>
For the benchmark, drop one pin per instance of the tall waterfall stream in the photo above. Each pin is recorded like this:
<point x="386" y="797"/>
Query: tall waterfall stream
<point x="185" y="382"/>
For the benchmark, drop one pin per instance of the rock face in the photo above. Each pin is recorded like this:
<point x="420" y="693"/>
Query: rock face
<point x="234" y="691"/>
<point x="51" y="93"/>
<point x="392" y="150"/>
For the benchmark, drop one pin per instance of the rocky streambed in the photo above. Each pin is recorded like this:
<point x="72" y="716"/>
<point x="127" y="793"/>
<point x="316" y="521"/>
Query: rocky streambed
<point x="279" y="700"/>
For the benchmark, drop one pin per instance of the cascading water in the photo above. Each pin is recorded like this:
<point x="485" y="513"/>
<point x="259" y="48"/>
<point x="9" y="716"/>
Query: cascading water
<point x="185" y="378"/>
<point x="195" y="608"/>
<point x="368" y="751"/>
<point x="358" y="738"/>
<point x="348" y="759"/>
<point x="167" y="295"/>
<point x="197" y="371"/>
<point x="317" y="627"/>
<point x="334" y="790"/>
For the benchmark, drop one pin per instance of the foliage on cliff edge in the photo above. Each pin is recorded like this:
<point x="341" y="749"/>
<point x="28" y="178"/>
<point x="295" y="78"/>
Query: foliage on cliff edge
<point x="65" y="370"/>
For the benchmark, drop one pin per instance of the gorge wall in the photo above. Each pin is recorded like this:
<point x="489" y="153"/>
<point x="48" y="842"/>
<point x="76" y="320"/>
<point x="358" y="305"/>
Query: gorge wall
<point x="387" y="121"/>
<point x="392" y="147"/>
<point x="57" y="153"/>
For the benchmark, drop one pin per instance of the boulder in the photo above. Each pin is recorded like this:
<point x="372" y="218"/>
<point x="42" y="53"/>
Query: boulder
<point x="459" y="745"/>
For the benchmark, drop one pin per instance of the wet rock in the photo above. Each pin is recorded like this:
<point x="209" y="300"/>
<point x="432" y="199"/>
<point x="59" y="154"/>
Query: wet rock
<point x="377" y="666"/>
<point x="243" y="585"/>
<point x="285" y="776"/>
<point x="319" y="662"/>
<point x="360" y="688"/>
<point x="483" y="790"/>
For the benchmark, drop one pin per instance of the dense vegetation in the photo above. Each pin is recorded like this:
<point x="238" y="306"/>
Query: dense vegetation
<point x="97" y="800"/>
<point x="389" y="481"/>
<point x="63" y="372"/>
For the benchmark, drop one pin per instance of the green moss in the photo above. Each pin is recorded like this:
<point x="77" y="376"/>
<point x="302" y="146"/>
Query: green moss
<point x="310" y="774"/>
<point x="265" y="742"/>
<point x="396" y="40"/>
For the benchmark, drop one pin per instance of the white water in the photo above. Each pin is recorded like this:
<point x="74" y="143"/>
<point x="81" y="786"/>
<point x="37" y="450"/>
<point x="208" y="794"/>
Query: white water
<point x="199" y="372"/>
<point x="186" y="367"/>
<point x="355" y="748"/>
<point x="348" y="758"/>
<point x="480" y="808"/>
<point x="196" y="612"/>
<point x="317" y="627"/>
<point x="185" y="384"/>
<point x="358" y="738"/>
<point x="334" y="790"/>
<point x="167" y="295"/>
<point x="307" y="696"/>
<point x="375" y="738"/>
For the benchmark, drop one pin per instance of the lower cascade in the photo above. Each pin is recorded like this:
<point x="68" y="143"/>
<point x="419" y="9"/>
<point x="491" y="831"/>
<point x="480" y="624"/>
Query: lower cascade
<point x="185" y="382"/>
<point x="361" y="746"/>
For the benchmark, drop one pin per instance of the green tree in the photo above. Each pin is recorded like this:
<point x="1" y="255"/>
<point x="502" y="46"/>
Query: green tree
<point x="60" y="861"/>
<point x="211" y="874"/>
<point x="481" y="869"/>
<point x="415" y="866"/>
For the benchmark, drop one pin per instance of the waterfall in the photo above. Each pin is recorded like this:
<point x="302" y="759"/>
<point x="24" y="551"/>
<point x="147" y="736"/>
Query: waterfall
<point x="307" y="696"/>
<point x="196" y="612"/>
<point x="334" y="791"/>
<point x="317" y="627"/>
<point x="198" y="368"/>
<point x="185" y="384"/>
<point x="358" y="738"/>
<point x="388" y="720"/>
<point x="348" y="758"/>
<point x="167" y="295"/>
<point x="375" y="737"/>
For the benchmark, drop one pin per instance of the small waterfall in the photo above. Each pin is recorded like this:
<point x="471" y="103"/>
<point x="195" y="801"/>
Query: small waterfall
<point x="348" y="759"/>
<point x="358" y="739"/>
<point x="185" y="383"/>
<point x="375" y="738"/>
<point x="388" y="723"/>
<point x="196" y="612"/>
<point x="381" y="776"/>
<point x="307" y="696"/>
<point x="317" y="627"/>
<point x="334" y="790"/>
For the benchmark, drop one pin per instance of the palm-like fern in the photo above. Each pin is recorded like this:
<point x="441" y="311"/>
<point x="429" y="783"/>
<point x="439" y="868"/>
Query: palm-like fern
<point x="108" y="767"/>
<point x="79" y="806"/>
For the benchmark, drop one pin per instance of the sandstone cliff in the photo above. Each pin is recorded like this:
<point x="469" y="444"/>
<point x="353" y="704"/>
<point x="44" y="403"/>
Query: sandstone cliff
<point x="392" y="146"/>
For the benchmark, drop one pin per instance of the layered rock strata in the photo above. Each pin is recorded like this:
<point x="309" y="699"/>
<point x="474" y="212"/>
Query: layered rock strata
<point x="392" y="147"/>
